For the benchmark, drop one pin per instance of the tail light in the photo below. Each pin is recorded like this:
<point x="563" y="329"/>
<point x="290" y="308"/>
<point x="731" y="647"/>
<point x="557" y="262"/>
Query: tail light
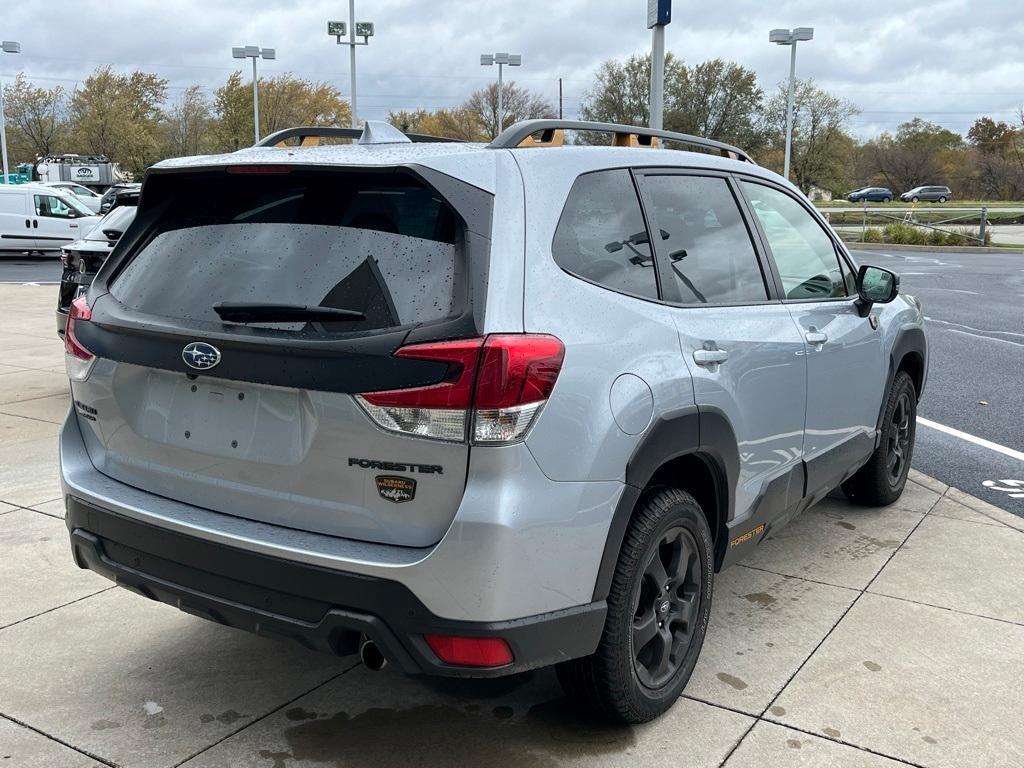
<point x="78" y="360"/>
<point x="470" y="651"/>
<point x="494" y="388"/>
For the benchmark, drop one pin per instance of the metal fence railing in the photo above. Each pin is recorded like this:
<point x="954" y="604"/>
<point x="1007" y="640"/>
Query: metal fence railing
<point x="854" y="224"/>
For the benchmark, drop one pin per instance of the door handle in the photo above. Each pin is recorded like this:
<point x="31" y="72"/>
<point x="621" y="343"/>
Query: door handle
<point x="710" y="357"/>
<point x="817" y="338"/>
<point x="35" y="223"/>
<point x="28" y="224"/>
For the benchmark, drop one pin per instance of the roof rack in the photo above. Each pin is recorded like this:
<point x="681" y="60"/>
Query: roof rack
<point x="524" y="133"/>
<point x="309" y="136"/>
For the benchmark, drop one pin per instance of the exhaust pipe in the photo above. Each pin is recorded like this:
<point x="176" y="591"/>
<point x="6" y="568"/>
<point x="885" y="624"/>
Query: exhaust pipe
<point x="371" y="656"/>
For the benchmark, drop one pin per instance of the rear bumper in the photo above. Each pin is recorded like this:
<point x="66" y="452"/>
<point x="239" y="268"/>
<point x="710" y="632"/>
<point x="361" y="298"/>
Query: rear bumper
<point x="321" y="609"/>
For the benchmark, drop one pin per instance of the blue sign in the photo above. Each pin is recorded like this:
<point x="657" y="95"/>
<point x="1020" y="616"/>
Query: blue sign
<point x="659" y="13"/>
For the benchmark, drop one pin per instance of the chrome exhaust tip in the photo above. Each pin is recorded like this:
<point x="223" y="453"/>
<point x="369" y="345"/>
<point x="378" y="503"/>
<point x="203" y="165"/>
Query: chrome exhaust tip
<point x="372" y="656"/>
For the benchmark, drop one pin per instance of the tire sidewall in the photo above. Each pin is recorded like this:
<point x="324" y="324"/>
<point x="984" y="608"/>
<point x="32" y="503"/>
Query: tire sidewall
<point x="901" y="384"/>
<point x="685" y="513"/>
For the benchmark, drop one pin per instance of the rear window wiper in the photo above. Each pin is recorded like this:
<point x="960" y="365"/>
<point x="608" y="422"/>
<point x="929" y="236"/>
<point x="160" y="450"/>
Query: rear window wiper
<point x="262" y="312"/>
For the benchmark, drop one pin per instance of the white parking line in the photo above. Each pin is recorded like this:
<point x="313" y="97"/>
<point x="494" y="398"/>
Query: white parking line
<point x="1013" y="454"/>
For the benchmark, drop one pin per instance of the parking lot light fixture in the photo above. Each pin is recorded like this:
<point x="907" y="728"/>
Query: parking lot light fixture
<point x="254" y="52"/>
<point x="8" y="46"/>
<point x="502" y="60"/>
<point x="354" y="29"/>
<point x="790" y="38"/>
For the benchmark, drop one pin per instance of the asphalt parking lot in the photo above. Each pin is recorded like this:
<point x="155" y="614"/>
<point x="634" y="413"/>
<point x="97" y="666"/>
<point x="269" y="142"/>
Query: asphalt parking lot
<point x="972" y="302"/>
<point x="854" y="637"/>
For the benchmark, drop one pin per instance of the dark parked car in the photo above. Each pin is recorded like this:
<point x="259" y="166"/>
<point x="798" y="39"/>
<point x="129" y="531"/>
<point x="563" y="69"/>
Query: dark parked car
<point x="119" y="194"/>
<point x="871" y="194"/>
<point x="83" y="258"/>
<point x="928" y="194"/>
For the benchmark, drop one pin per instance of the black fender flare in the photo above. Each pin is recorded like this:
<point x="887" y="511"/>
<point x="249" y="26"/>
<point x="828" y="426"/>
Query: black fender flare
<point x="706" y="433"/>
<point x="909" y="340"/>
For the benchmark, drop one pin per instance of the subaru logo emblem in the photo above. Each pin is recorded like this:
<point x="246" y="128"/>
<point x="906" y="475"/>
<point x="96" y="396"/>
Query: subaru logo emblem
<point x="200" y="355"/>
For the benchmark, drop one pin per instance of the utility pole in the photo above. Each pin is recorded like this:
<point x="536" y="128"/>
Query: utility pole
<point x="9" y="46"/>
<point x="501" y="59"/>
<point x="354" y="29"/>
<point x="559" y="98"/>
<point x="254" y="52"/>
<point x="790" y="38"/>
<point x="659" y="14"/>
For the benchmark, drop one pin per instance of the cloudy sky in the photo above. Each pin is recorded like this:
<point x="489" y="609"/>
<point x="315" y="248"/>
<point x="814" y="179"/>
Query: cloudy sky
<point x="946" y="60"/>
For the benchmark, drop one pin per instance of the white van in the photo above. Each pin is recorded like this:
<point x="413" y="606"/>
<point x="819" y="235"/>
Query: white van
<point x="38" y="218"/>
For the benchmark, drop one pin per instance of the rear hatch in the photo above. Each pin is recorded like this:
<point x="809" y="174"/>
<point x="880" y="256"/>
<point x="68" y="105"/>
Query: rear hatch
<point x="234" y="332"/>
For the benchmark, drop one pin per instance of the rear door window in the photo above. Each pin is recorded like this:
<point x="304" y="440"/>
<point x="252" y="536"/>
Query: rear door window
<point x="381" y="244"/>
<point x="703" y="239"/>
<point x="601" y="236"/>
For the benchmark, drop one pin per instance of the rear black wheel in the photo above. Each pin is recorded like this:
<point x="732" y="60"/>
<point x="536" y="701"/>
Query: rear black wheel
<point x="658" y="611"/>
<point x="882" y="479"/>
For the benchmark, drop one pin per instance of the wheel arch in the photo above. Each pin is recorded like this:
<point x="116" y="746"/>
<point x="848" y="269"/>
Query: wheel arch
<point x="910" y="354"/>
<point x="693" y="451"/>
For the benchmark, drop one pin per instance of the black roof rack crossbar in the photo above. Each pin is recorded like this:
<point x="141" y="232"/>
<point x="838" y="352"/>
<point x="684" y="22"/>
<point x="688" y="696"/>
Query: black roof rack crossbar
<point x="333" y="132"/>
<point x="515" y="135"/>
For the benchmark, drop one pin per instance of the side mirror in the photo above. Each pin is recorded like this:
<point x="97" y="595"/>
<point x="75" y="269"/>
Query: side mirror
<point x="876" y="285"/>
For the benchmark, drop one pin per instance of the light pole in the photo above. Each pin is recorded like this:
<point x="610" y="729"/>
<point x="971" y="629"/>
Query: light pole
<point x="9" y="46"/>
<point x="790" y="38"/>
<point x="354" y="29"/>
<point x="659" y="14"/>
<point x="254" y="52"/>
<point x="501" y="59"/>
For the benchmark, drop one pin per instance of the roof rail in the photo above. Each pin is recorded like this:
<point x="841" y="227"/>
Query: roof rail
<point x="309" y="136"/>
<point x="522" y="135"/>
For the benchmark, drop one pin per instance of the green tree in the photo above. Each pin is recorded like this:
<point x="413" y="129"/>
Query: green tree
<point x="188" y="123"/>
<point x="715" y="99"/>
<point x="517" y="103"/>
<point x="719" y="100"/>
<point x="36" y="119"/>
<point x="919" y="153"/>
<point x="459" y="123"/>
<point x="285" y="101"/>
<point x="823" y="153"/>
<point x="119" y="116"/>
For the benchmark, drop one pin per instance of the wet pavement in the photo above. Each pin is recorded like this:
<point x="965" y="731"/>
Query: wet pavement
<point x="854" y="637"/>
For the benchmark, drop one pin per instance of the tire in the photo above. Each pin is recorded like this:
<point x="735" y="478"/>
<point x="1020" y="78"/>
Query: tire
<point x="881" y="481"/>
<point x="886" y="199"/>
<point x="915" y="199"/>
<point x="942" y="199"/>
<point x="623" y="685"/>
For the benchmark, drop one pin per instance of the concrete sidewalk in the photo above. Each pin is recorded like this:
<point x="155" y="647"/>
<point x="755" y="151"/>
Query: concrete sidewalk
<point x="854" y="637"/>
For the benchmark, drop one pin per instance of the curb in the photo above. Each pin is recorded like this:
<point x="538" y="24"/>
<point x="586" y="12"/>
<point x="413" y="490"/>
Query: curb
<point x="858" y="246"/>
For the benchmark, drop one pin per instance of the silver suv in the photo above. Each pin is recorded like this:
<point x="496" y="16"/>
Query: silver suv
<point x="473" y="410"/>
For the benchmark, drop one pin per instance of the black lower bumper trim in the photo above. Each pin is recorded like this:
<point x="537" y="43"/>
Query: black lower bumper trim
<point x="321" y="609"/>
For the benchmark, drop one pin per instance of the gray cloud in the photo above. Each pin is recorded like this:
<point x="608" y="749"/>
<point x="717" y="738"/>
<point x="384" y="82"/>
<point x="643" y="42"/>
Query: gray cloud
<point x="946" y="60"/>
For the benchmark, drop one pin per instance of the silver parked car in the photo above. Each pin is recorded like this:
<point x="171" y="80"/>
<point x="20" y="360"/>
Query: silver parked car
<point x="472" y="410"/>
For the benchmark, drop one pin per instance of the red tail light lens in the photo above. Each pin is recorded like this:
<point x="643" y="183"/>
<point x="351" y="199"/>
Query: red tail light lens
<point x="78" y="360"/>
<point x="470" y="651"/>
<point x="499" y="383"/>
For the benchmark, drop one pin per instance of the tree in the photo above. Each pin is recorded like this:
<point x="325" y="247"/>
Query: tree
<point x="518" y="104"/>
<point x="36" y="119"/>
<point x="188" y="124"/>
<point x="989" y="136"/>
<point x="119" y="116"/>
<point x="285" y="101"/>
<point x="715" y="99"/>
<point x="822" y="152"/>
<point x="459" y="123"/>
<point x="622" y="89"/>
<point x="920" y="153"/>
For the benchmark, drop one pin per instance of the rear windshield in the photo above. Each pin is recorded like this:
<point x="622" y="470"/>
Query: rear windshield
<point x="380" y="244"/>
